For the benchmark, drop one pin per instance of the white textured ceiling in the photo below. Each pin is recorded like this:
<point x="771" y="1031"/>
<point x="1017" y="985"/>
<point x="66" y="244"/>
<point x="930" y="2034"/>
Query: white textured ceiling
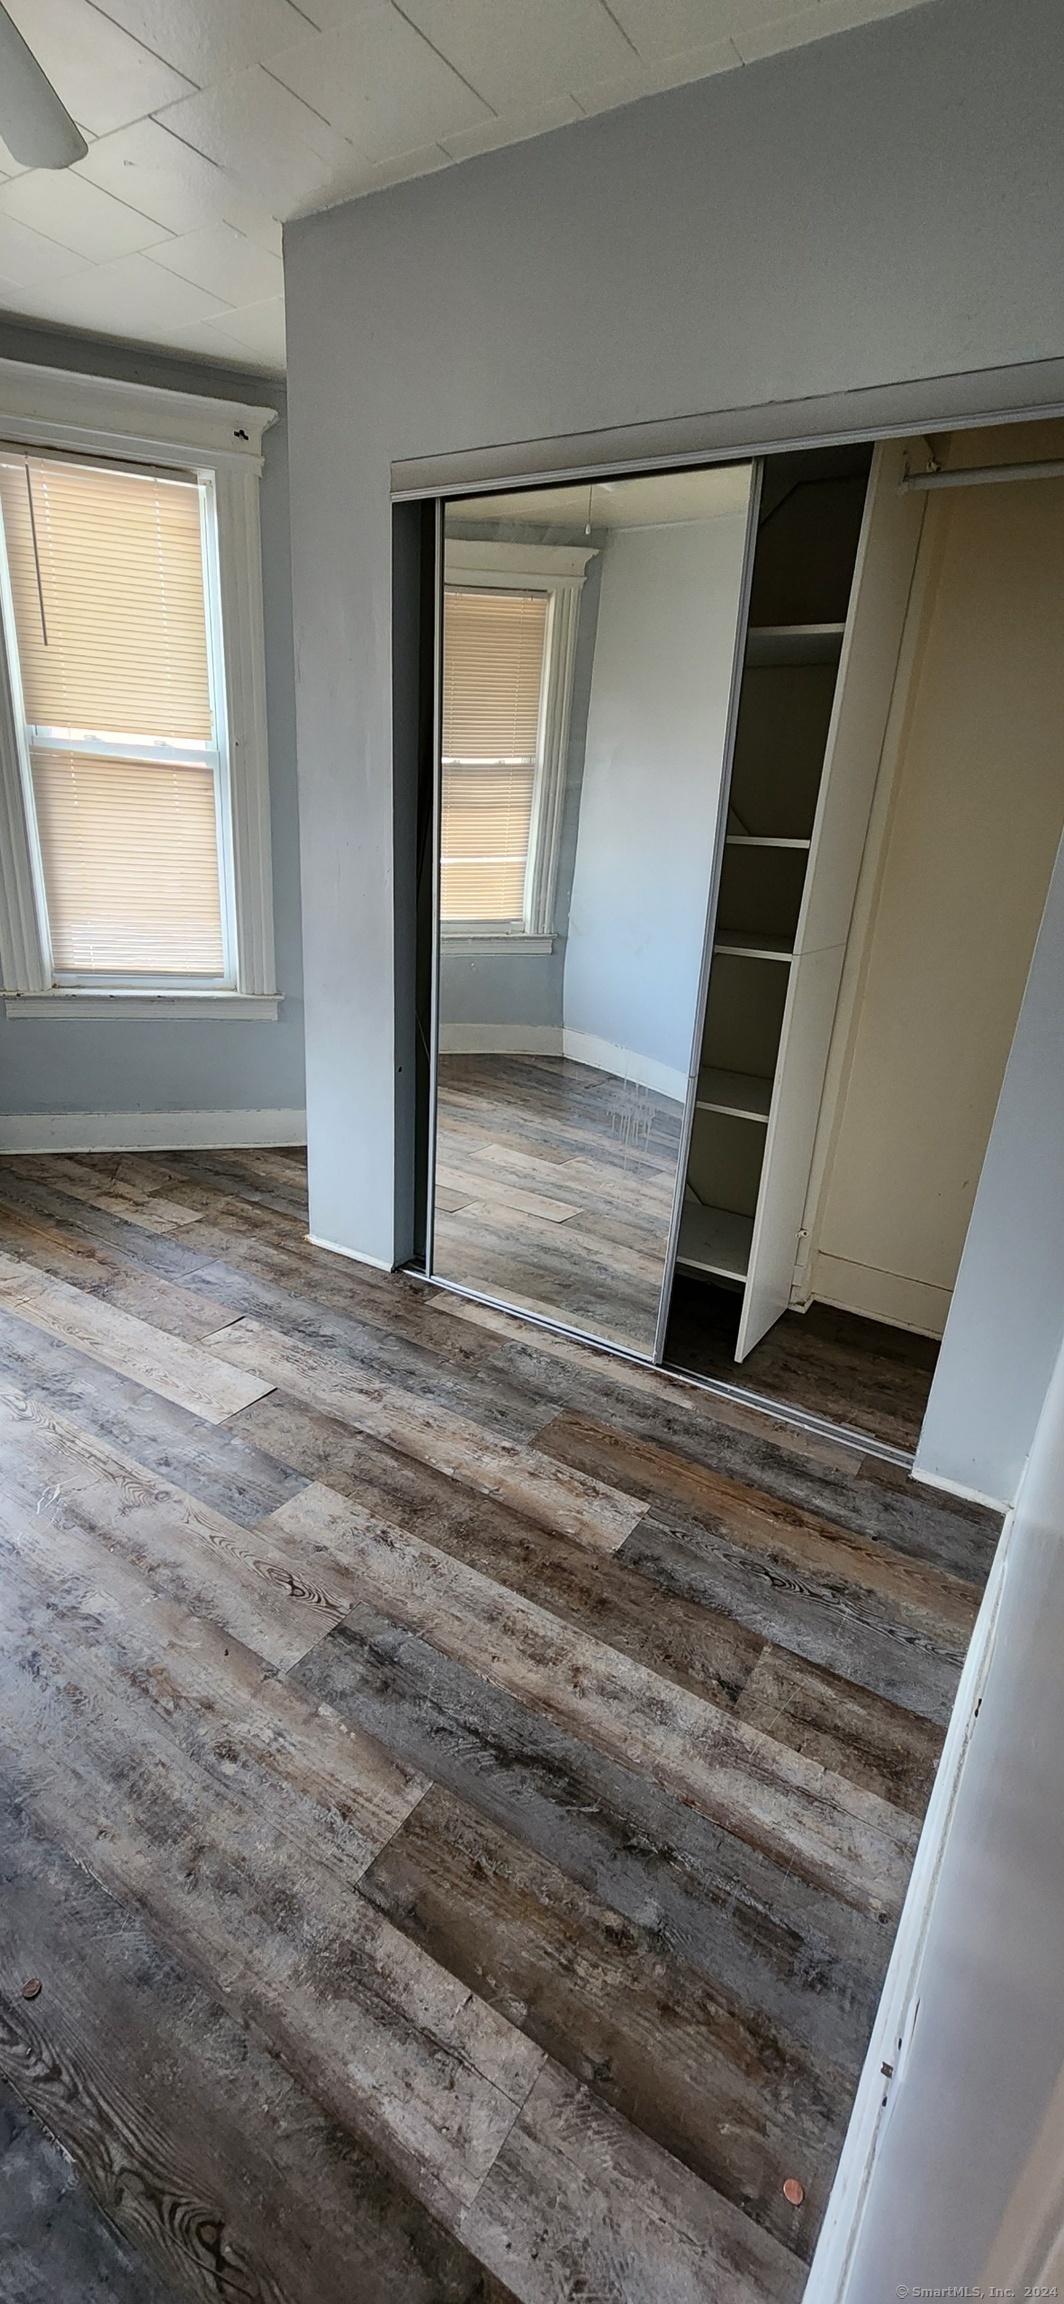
<point x="210" y="121"/>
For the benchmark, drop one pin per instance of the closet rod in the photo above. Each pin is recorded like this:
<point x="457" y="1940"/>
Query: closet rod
<point x="974" y="475"/>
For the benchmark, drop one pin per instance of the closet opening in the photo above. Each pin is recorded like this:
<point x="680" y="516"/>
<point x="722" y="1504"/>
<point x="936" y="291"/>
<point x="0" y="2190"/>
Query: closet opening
<point x="895" y="803"/>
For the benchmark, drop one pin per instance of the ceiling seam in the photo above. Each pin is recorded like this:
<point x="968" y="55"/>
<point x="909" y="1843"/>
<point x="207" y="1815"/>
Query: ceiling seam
<point x="195" y="87"/>
<point x="451" y="66"/>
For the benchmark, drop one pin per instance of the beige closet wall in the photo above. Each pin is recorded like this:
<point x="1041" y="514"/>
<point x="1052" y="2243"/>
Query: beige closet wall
<point x="975" y="817"/>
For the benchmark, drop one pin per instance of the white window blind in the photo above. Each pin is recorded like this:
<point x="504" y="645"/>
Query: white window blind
<point x="494" y="649"/>
<point x="110" y="632"/>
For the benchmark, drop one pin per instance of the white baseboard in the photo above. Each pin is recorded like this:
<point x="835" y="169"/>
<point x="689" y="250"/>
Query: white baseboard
<point x="353" y="1255"/>
<point x="957" y="1488"/>
<point x="148" y="1131"/>
<point x="500" y="1040"/>
<point x="552" y="1040"/>
<point x="916" y="1305"/>
<point x="625" y="1063"/>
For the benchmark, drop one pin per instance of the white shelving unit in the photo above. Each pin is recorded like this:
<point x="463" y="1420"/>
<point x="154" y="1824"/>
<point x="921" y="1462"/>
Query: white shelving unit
<point x="714" y="1241"/>
<point x="789" y="675"/>
<point x="742" y="1095"/>
<point x="765" y="857"/>
<point x="749" y="945"/>
<point x="761" y="840"/>
<point x="812" y="716"/>
<point x="794" y="643"/>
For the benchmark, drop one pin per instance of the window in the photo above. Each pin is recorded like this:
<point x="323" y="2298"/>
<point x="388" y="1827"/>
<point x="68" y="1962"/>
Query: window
<point x="133" y="790"/>
<point x="509" y="634"/>
<point x="109" y="660"/>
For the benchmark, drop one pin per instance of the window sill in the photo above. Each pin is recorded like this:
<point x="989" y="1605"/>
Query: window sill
<point x="469" y="940"/>
<point x="143" y="1007"/>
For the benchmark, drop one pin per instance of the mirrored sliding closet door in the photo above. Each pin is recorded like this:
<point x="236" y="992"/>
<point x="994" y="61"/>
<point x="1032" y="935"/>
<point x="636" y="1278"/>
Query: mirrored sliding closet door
<point x="589" y="640"/>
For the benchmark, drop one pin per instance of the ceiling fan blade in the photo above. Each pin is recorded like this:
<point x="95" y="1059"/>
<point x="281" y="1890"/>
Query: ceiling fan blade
<point x="35" y="126"/>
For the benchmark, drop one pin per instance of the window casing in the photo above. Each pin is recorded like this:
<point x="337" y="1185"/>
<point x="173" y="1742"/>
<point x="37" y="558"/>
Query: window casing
<point x="133" y="757"/>
<point x="505" y="808"/>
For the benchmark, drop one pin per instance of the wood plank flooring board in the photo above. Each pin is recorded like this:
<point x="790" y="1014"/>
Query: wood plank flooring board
<point x="188" y="1553"/>
<point x="282" y="1192"/>
<point x="622" y="1377"/>
<point x="836" y="1628"/>
<point x="858" y="1372"/>
<point x="153" y="1210"/>
<point x="231" y="1716"/>
<point x="821" y="1716"/>
<point x="412" y="1358"/>
<point x="482" y="1180"/>
<point x="518" y="1161"/>
<point x="599" y="1268"/>
<point x="52" y="1248"/>
<point x="284" y="1166"/>
<point x="636" y="2226"/>
<point x="177" y="1310"/>
<point x="212" y="1462"/>
<point x="503" y="1230"/>
<point x="248" y="1278"/>
<point x="206" y="2155"/>
<point x="582" y="1587"/>
<point x="155" y="1252"/>
<point x="909" y="1518"/>
<point x="556" y="1288"/>
<point x="615" y="1132"/>
<point x="182" y="1372"/>
<point x="577" y="1505"/>
<point x="510" y="1196"/>
<point x="56" y="2247"/>
<point x="409" y="1367"/>
<point x="236" y="1293"/>
<point x="424" y="2067"/>
<point x="710" y="1649"/>
<point x="424" y="2071"/>
<point x="734" y="2099"/>
<point x="225" y="1171"/>
<point x="928" y="1598"/>
<point x="758" y="1931"/>
<point x="618" y="1179"/>
<point x="834" y="1833"/>
<point x="323" y="1282"/>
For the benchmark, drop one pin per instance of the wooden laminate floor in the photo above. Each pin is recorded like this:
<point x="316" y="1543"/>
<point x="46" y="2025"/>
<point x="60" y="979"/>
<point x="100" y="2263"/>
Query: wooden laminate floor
<point x="456" y="1791"/>
<point x="554" y="1190"/>
<point x="852" y="1371"/>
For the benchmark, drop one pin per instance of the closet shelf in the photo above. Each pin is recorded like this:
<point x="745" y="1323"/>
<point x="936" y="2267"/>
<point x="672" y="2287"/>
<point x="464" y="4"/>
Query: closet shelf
<point x="743" y="1095"/>
<point x="762" y="840"/>
<point x="747" y="944"/>
<point x="794" y="643"/>
<point x="715" y="1240"/>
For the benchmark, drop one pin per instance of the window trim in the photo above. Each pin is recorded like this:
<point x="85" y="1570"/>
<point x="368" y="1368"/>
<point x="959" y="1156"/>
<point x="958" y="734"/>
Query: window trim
<point x="110" y="419"/>
<point x="560" y="571"/>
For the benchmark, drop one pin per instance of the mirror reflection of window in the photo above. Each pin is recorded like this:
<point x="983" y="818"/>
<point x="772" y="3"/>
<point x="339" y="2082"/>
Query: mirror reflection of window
<point x="495" y="656"/>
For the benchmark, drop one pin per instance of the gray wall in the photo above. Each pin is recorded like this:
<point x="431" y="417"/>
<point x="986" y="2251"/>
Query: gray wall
<point x="48" y="1068"/>
<point x="656" y="727"/>
<point x="967" y="2192"/>
<point x="880" y="207"/>
<point x="1007" y="1315"/>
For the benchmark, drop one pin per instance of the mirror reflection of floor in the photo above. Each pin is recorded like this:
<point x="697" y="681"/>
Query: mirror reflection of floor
<point x="855" y="1372"/>
<point x="554" y="1190"/>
